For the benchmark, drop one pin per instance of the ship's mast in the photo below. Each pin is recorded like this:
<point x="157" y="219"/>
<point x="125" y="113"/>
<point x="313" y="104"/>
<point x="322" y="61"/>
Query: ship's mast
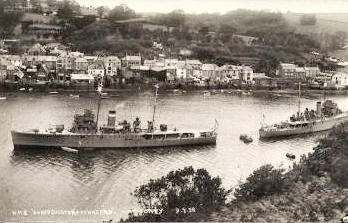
<point x="100" y="87"/>
<point x="154" y="106"/>
<point x="299" y="97"/>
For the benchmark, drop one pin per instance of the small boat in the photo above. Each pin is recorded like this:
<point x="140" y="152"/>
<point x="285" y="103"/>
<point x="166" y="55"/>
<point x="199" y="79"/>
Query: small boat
<point x="206" y="93"/>
<point x="70" y="150"/>
<point x="30" y="89"/>
<point x="53" y="92"/>
<point x="74" y="95"/>
<point x="177" y="92"/>
<point x="3" y="98"/>
<point x="22" y="89"/>
<point x="245" y="138"/>
<point x="290" y="156"/>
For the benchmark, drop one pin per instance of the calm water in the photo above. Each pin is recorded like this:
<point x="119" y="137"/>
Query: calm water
<point x="36" y="180"/>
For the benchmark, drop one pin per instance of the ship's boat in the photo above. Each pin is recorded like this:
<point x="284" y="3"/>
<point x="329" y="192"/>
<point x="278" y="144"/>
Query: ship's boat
<point x="85" y="133"/>
<point x="245" y="138"/>
<point x="290" y="156"/>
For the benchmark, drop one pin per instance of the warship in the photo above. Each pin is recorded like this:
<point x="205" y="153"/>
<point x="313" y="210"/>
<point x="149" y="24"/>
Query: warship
<point x="86" y="134"/>
<point x="325" y="117"/>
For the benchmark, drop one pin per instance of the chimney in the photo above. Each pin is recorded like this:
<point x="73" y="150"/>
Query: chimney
<point x="112" y="118"/>
<point x="319" y="108"/>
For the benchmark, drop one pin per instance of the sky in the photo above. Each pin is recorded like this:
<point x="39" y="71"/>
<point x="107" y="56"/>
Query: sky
<point x="222" y="6"/>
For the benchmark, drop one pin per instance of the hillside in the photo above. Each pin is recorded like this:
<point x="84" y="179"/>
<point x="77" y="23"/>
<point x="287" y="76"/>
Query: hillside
<point x="326" y="23"/>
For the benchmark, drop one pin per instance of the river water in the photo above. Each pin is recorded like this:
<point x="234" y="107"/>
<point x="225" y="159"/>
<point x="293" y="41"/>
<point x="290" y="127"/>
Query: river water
<point x="34" y="181"/>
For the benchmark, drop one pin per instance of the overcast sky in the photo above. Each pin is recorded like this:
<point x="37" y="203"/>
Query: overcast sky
<point x="222" y="6"/>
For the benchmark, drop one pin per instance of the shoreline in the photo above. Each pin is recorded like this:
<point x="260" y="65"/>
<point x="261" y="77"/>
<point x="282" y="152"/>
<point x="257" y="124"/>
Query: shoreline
<point x="276" y="92"/>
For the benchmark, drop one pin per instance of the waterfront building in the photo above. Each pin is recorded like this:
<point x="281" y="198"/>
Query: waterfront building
<point x="230" y="72"/>
<point x="112" y="65"/>
<point x="246" y="74"/>
<point x="81" y="64"/>
<point x="300" y="73"/>
<point x="209" y="70"/>
<point x="91" y="59"/>
<point x="286" y="69"/>
<point x="195" y="64"/>
<point x="170" y="62"/>
<point x="65" y="63"/>
<point x="128" y="61"/>
<point x="312" y="72"/>
<point x="97" y="69"/>
<point x="340" y="80"/>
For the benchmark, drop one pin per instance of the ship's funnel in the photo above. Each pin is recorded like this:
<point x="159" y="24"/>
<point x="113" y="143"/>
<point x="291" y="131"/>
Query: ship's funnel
<point x="112" y="118"/>
<point x="319" y="108"/>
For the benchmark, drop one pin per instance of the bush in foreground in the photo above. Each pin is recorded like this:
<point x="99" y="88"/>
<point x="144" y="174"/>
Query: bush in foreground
<point x="264" y="181"/>
<point x="178" y="195"/>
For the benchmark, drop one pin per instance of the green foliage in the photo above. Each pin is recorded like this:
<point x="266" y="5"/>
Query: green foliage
<point x="67" y="9"/>
<point x="121" y="12"/>
<point x="262" y="182"/>
<point x="175" y="18"/>
<point x="179" y="194"/>
<point x="339" y="171"/>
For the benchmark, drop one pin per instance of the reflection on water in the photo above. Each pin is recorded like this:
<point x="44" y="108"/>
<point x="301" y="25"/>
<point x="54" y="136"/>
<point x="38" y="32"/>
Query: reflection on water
<point x="36" y="179"/>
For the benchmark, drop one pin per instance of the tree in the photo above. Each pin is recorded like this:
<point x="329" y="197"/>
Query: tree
<point x="179" y="193"/>
<point x="226" y="32"/>
<point x="175" y="18"/>
<point x="121" y="12"/>
<point x="101" y="11"/>
<point x="262" y="182"/>
<point x="204" y="53"/>
<point x="67" y="9"/>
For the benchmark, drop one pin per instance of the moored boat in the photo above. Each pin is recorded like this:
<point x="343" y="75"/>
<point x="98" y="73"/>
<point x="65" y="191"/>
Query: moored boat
<point x="85" y="133"/>
<point x="246" y="139"/>
<point x="325" y="117"/>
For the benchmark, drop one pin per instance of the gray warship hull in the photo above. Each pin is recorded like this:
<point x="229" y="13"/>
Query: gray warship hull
<point x="310" y="127"/>
<point x="105" y="141"/>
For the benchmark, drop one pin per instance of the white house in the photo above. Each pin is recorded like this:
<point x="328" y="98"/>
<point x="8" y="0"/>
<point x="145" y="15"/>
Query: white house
<point x="246" y="74"/>
<point x="112" y="64"/>
<point x="96" y="69"/>
<point x="340" y="79"/>
<point x="230" y="72"/>
<point x="81" y="64"/>
<point x="128" y="61"/>
<point x="209" y="70"/>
